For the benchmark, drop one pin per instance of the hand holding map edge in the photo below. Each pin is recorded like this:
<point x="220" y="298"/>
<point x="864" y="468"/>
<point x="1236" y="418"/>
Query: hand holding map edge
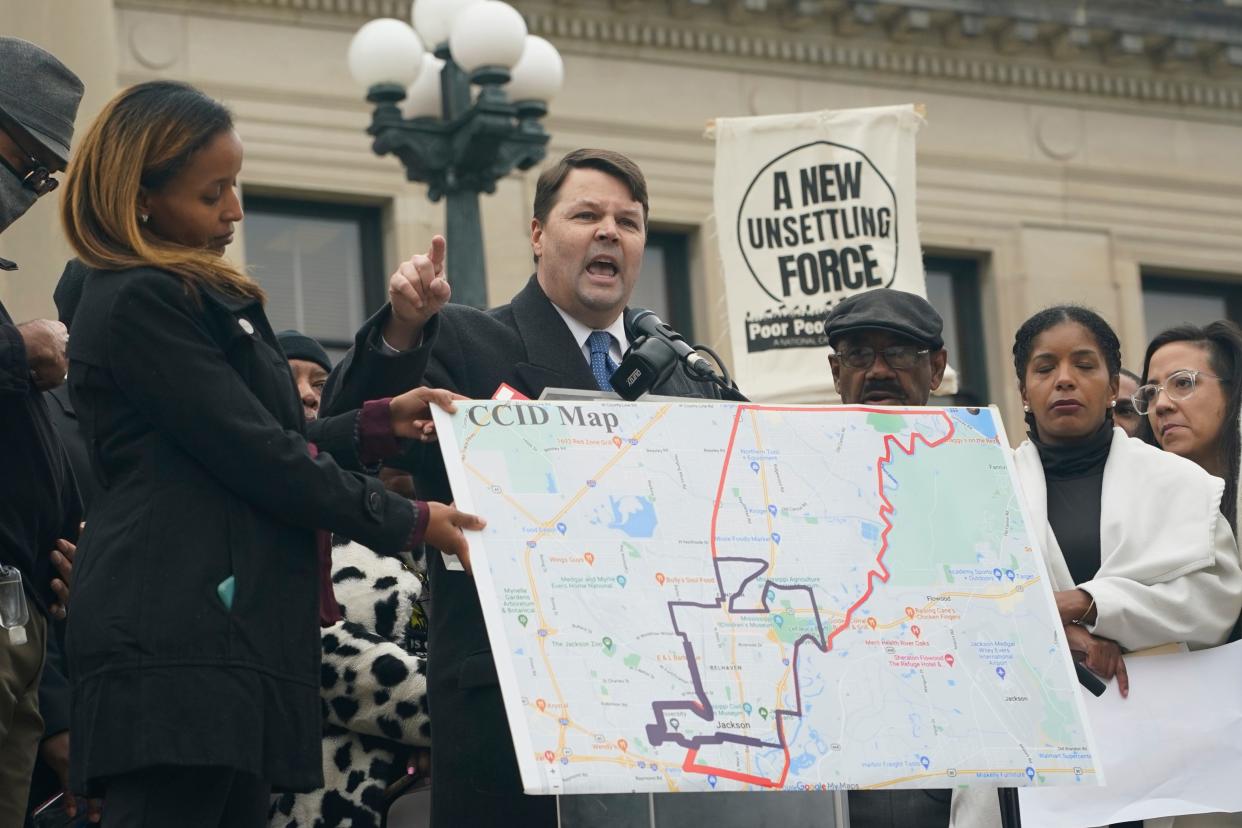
<point x="445" y="531"/>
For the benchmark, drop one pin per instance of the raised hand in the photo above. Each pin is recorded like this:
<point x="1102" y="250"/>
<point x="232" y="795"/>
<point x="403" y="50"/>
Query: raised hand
<point x="416" y="291"/>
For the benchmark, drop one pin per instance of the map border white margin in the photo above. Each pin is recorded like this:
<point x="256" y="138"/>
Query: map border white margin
<point x="518" y="729"/>
<point x="507" y="677"/>
<point x="1033" y="533"/>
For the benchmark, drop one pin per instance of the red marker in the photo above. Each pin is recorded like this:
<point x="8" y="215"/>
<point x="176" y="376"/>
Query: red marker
<point x="550" y="756"/>
<point x="590" y="558"/>
<point x="616" y="441"/>
<point x="910" y="612"/>
<point x="915" y="629"/>
<point x="948" y="659"/>
<point x="621" y="743"/>
<point x="871" y="623"/>
<point x="660" y="578"/>
<point x="541" y="704"/>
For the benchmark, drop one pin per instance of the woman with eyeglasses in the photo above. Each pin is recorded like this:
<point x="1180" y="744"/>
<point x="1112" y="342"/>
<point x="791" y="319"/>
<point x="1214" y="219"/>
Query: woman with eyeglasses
<point x="1191" y="402"/>
<point x="1190" y="398"/>
<point x="1136" y="546"/>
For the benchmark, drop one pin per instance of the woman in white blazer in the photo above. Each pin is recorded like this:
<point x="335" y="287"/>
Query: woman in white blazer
<point x="1136" y="546"/>
<point x="1190" y="395"/>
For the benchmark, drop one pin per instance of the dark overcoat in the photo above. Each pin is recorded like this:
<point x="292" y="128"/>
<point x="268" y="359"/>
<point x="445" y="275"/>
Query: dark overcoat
<point x="527" y="345"/>
<point x="196" y="440"/>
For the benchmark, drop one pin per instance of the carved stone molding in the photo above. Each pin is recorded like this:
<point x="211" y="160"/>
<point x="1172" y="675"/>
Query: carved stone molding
<point x="1146" y="52"/>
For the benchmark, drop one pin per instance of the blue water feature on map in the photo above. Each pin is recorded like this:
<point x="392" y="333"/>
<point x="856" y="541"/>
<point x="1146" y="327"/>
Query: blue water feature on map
<point x="552" y="483"/>
<point x="981" y="422"/>
<point x="633" y="515"/>
<point x="869" y="531"/>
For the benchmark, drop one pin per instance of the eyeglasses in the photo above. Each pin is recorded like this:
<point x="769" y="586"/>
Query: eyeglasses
<point x="36" y="176"/>
<point x="1179" y="386"/>
<point x="898" y="357"/>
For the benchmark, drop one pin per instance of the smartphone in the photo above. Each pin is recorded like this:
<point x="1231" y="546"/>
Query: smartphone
<point x="52" y="814"/>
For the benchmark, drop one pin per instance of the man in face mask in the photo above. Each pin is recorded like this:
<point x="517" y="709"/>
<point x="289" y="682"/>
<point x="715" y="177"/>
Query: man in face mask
<point x="888" y="351"/>
<point x="38" y="499"/>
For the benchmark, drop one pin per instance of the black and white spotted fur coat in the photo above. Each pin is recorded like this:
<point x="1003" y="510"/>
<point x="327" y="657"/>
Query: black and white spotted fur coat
<point x="374" y="694"/>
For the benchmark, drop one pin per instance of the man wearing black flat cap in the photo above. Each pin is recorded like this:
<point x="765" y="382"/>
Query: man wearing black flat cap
<point x="38" y="499"/>
<point x="888" y="350"/>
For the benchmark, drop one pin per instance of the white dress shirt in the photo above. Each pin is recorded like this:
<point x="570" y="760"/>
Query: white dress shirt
<point x="617" y="344"/>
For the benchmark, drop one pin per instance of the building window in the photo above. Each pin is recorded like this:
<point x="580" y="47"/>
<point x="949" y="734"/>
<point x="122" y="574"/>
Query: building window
<point x="320" y="264"/>
<point x="1171" y="300"/>
<point x="953" y="290"/>
<point x="664" y="284"/>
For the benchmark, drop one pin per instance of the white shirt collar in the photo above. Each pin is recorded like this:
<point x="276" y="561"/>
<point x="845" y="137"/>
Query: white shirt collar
<point x="581" y="332"/>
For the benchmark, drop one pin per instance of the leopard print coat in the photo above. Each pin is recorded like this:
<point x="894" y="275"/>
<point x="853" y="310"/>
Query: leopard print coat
<point x="374" y="693"/>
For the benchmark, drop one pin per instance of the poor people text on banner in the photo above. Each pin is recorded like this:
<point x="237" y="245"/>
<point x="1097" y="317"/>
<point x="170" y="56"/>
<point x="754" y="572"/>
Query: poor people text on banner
<point x="810" y="208"/>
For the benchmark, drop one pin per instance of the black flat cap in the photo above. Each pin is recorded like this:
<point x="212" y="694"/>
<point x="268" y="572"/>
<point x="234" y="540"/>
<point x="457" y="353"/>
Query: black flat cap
<point x="298" y="345"/>
<point x="889" y="310"/>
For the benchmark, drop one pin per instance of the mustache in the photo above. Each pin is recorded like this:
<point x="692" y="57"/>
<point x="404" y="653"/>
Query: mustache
<point x="891" y="389"/>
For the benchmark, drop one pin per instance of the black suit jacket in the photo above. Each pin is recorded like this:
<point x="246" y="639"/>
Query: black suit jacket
<point x="527" y="345"/>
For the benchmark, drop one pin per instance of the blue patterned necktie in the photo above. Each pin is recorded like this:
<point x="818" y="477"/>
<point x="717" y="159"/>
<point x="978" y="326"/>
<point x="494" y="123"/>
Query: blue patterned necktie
<point x="602" y="365"/>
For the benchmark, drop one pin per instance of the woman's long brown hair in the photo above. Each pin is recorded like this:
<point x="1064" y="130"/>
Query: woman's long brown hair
<point x="143" y="138"/>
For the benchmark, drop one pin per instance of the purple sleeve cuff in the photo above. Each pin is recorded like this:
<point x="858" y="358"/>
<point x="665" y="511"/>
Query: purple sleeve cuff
<point x="376" y="439"/>
<point x="422" y="516"/>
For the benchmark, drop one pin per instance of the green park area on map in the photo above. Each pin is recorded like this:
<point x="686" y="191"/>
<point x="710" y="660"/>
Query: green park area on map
<point x="713" y="596"/>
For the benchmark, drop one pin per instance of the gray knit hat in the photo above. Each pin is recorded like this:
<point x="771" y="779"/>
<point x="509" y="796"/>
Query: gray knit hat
<point x="39" y="93"/>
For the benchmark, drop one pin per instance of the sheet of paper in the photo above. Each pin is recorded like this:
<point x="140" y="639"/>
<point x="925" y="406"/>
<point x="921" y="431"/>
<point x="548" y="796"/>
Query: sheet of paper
<point x="1173" y="747"/>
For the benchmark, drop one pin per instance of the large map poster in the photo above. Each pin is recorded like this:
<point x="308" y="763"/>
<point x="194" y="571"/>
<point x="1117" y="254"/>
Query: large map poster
<point x="713" y="596"/>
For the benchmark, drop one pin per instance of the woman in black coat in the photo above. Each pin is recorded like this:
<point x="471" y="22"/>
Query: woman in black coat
<point x="192" y="638"/>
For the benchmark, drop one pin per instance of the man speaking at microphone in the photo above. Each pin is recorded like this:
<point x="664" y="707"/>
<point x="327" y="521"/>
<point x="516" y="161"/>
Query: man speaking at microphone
<point x="565" y="329"/>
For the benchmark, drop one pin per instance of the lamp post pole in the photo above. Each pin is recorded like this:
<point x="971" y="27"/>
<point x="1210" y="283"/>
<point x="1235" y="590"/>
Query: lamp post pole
<point x="424" y="114"/>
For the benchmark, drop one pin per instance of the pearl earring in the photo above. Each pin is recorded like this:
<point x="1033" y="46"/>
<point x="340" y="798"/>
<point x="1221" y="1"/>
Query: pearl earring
<point x="144" y="218"/>
<point x="1026" y="408"/>
<point x="1112" y="404"/>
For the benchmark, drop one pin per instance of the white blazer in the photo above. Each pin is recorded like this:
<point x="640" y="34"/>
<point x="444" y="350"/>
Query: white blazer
<point x="1169" y="566"/>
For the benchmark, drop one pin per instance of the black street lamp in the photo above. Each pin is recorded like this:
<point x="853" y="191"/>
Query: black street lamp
<point x="425" y="115"/>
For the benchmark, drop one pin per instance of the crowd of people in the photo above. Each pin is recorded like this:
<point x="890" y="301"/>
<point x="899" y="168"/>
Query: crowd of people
<point x="222" y="538"/>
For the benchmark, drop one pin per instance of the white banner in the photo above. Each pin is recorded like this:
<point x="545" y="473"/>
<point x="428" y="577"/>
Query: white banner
<point x="810" y="208"/>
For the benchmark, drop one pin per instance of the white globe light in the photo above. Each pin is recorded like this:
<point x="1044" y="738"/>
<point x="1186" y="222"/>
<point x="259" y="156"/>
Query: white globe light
<point x="385" y="51"/>
<point x="538" y="75"/>
<point x="487" y="33"/>
<point x="422" y="99"/>
<point x="434" y="19"/>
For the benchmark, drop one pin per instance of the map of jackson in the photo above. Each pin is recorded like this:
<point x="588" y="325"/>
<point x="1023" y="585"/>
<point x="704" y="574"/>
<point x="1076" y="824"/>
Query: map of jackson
<point x="713" y="596"/>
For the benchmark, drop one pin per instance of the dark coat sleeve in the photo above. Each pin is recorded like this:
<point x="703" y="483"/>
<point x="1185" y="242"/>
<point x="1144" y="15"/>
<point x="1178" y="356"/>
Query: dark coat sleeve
<point x="163" y="356"/>
<point x="14" y="369"/>
<point x="337" y="436"/>
<point x="367" y="373"/>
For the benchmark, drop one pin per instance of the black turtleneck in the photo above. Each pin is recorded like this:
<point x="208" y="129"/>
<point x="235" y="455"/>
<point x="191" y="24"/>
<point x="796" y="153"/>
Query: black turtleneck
<point x="1075" y="478"/>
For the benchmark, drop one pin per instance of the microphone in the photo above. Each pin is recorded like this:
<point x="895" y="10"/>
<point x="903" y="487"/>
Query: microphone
<point x="640" y="322"/>
<point x="656" y="352"/>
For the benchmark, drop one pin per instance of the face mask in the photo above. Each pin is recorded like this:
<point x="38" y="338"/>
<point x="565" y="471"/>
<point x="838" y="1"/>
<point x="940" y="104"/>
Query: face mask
<point x="15" y="199"/>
